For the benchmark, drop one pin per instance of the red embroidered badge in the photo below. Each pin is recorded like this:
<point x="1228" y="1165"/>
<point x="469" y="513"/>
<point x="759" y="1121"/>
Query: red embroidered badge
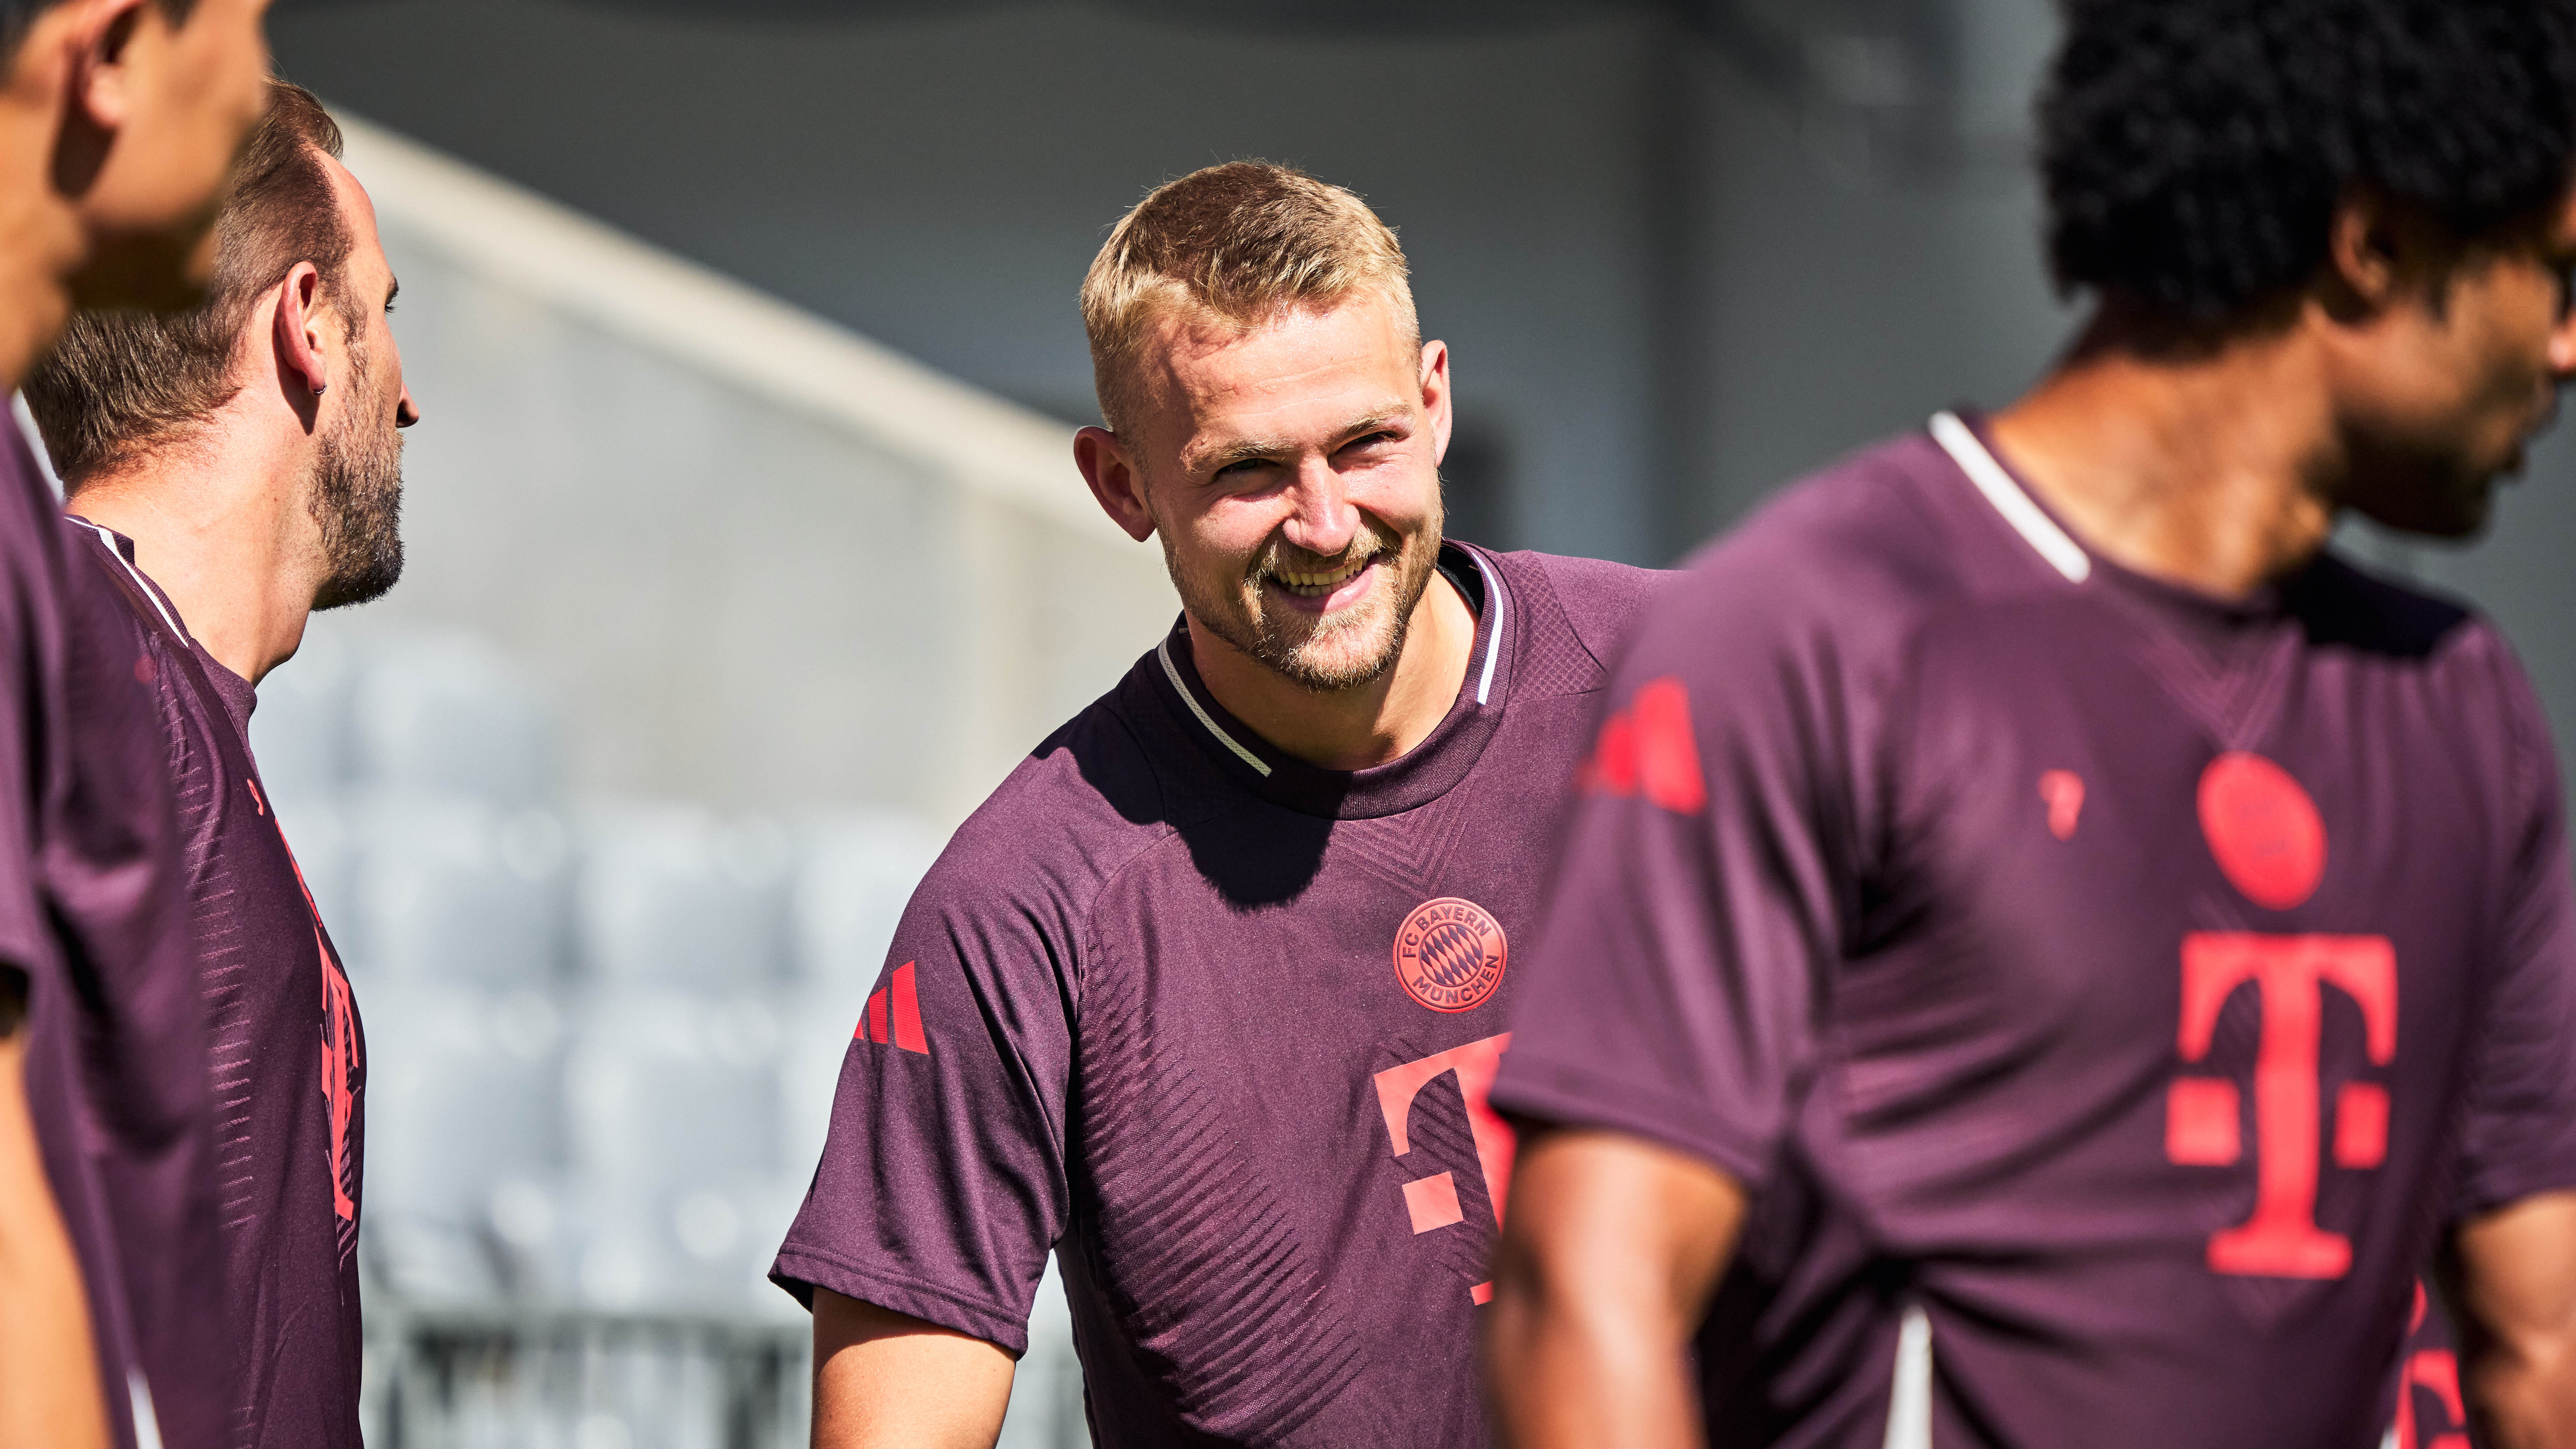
<point x="1450" y="954"/>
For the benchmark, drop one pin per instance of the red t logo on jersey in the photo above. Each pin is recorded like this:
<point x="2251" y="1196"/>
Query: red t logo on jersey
<point x="2266" y="835"/>
<point x="1432" y="1201"/>
<point x="2437" y="1369"/>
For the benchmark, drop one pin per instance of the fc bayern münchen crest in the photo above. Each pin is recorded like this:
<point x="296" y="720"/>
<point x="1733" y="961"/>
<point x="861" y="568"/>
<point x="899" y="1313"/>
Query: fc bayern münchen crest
<point x="1449" y="954"/>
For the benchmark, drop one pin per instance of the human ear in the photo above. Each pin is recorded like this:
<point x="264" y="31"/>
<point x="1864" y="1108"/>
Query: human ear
<point x="302" y="354"/>
<point x="1115" y="481"/>
<point x="2367" y="249"/>
<point x="102" y="89"/>
<point x="95" y="37"/>
<point x="1435" y="396"/>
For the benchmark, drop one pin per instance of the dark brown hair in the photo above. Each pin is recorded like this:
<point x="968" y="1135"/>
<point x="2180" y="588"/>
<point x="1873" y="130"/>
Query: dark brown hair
<point x="123" y="381"/>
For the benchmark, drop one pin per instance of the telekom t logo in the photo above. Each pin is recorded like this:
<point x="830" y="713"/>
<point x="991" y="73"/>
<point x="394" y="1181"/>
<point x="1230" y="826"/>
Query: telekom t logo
<point x="1432" y="1201"/>
<point x="2270" y="842"/>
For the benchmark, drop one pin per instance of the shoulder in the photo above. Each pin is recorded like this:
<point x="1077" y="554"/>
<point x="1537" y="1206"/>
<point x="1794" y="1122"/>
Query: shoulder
<point x="1039" y="850"/>
<point x="1598" y="600"/>
<point x="1849" y="561"/>
<point x="2342" y="606"/>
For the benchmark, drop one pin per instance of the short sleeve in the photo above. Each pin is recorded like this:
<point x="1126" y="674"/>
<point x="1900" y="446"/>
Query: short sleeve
<point x="942" y="1185"/>
<point x="2519" y="1133"/>
<point x="1674" y="990"/>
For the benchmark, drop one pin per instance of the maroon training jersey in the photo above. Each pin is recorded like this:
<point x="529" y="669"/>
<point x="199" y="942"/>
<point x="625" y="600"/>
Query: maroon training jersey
<point x="2430" y="1412"/>
<point x="90" y="911"/>
<point x="2107" y="990"/>
<point x="1219" y="1025"/>
<point x="289" y="1066"/>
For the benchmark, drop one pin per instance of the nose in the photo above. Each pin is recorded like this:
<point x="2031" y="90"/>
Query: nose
<point x="1323" y="521"/>
<point x="406" y="412"/>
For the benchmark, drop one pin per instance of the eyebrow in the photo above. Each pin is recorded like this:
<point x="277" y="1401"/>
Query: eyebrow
<point x="1246" y="450"/>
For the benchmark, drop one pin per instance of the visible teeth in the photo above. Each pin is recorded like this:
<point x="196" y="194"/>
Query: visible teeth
<point x="1304" y="583"/>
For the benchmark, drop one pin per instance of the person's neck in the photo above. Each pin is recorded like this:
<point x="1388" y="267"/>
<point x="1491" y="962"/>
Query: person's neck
<point x="2213" y="467"/>
<point x="1373" y="724"/>
<point x="220" y="533"/>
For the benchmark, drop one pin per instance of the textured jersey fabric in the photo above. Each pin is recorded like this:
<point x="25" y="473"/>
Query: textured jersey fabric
<point x="90" y="911"/>
<point x="288" y="1052"/>
<point x="2130" y="981"/>
<point x="1218" y="1025"/>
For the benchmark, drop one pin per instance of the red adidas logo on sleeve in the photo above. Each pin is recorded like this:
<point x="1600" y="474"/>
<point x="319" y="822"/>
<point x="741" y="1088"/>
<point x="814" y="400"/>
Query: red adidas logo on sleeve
<point x="896" y="999"/>
<point x="1648" y="750"/>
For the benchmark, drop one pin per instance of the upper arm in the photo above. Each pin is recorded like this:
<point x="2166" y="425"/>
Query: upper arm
<point x="2512" y="1279"/>
<point x="942" y="1184"/>
<point x="2518" y="1138"/>
<point x="1608" y="1259"/>
<point x="883" y="1380"/>
<point x="49" y="1382"/>
<point x="1613" y="1221"/>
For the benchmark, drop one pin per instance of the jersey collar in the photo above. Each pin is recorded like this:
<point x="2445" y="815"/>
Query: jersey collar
<point x="1422" y="775"/>
<point x="2219" y="631"/>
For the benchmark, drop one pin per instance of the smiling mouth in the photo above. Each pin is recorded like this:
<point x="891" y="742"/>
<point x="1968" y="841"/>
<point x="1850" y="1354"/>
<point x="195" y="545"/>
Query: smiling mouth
<point x="1317" y="585"/>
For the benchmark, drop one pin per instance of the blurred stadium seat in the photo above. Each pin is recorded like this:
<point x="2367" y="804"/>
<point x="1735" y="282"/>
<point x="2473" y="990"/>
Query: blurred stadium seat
<point x="447" y="713"/>
<point x="450" y="888"/>
<point x="671" y="896"/>
<point x="858" y="872"/>
<point x="301" y="727"/>
<point x="603" y="1042"/>
<point x="460" y="1099"/>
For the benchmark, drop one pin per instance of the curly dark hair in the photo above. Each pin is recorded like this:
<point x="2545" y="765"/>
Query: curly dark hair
<point x="2193" y="151"/>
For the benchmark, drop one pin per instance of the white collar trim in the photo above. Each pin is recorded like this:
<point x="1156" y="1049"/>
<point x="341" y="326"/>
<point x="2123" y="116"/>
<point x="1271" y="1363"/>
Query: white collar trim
<point x="2026" y="517"/>
<point x="1163" y="652"/>
<point x="1494" y="639"/>
<point x="107" y="540"/>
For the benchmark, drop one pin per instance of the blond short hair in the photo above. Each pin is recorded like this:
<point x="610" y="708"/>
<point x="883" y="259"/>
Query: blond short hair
<point x="1236" y="245"/>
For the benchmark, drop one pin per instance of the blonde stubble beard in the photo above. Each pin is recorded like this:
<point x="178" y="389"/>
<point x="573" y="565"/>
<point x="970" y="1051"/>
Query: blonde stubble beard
<point x="1240" y="621"/>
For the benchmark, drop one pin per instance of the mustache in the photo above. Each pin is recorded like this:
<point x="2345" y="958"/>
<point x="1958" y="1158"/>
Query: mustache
<point x="1282" y="556"/>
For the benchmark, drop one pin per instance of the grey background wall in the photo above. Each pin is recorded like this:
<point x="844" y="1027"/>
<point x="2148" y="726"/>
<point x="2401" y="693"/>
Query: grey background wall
<point x="1675" y="269"/>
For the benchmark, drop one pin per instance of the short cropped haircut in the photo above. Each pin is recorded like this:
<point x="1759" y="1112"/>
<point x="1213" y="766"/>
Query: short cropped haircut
<point x="2193" y="151"/>
<point x="120" y="382"/>
<point x="1237" y="245"/>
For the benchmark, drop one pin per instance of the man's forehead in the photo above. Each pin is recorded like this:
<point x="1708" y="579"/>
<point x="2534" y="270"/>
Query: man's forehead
<point x="359" y="210"/>
<point x="350" y="196"/>
<point x="1339" y="363"/>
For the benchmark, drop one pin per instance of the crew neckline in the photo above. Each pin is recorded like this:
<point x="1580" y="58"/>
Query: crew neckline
<point x="1421" y="775"/>
<point x="2190" y="606"/>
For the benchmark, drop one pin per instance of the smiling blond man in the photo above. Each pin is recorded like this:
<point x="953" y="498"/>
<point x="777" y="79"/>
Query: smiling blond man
<point x="1207" y="995"/>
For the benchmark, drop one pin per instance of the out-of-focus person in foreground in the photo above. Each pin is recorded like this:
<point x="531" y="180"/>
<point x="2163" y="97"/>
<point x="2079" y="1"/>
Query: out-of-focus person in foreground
<point x="2048" y="950"/>
<point x="1208" y="994"/>
<point x="119" y="120"/>
<point x="230" y="470"/>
